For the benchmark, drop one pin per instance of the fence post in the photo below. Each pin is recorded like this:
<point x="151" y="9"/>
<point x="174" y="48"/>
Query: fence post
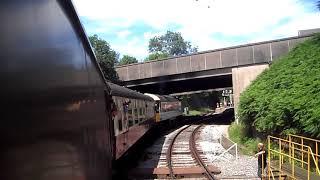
<point x="269" y="168"/>
<point x="236" y="151"/>
<point x="302" y="153"/>
<point x="309" y="163"/>
<point x="292" y="157"/>
<point x="280" y="156"/>
<point x="317" y="152"/>
<point x="290" y="148"/>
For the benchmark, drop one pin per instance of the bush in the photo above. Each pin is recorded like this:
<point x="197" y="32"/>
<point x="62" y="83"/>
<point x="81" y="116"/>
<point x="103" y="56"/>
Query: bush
<point x="286" y="97"/>
<point x="239" y="134"/>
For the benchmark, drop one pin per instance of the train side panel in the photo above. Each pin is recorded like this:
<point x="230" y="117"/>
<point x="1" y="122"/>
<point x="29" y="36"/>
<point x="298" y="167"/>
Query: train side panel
<point x="131" y="121"/>
<point x="56" y="123"/>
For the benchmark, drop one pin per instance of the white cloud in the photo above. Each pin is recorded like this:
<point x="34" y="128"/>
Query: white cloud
<point x="133" y="47"/>
<point x="123" y="34"/>
<point x="306" y="21"/>
<point x="257" y="19"/>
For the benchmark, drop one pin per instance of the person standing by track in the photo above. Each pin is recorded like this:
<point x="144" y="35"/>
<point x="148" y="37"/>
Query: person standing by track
<point x="262" y="159"/>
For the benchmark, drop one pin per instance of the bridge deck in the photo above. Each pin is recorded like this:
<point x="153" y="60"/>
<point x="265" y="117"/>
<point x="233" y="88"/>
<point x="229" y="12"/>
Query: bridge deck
<point x="243" y="55"/>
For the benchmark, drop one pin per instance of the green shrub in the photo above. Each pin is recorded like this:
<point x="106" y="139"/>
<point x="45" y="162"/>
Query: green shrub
<point x="194" y="113"/>
<point x="239" y="134"/>
<point x="251" y="146"/>
<point x="286" y="97"/>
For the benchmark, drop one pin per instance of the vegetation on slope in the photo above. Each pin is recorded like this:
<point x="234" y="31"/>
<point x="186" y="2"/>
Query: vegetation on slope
<point x="238" y="134"/>
<point x="286" y="97"/>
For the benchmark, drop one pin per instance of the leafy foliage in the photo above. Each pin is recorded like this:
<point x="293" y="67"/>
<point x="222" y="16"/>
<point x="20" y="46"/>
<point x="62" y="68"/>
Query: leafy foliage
<point x="286" y="97"/>
<point x="239" y="134"/>
<point x="171" y="43"/>
<point x="156" y="55"/>
<point x="107" y="57"/>
<point x="126" y="59"/>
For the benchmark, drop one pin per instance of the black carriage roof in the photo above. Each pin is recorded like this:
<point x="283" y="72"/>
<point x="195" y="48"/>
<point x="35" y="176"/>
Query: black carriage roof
<point x="120" y="91"/>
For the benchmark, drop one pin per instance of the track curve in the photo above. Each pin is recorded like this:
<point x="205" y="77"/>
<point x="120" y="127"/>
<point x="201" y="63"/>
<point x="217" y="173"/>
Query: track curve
<point x="190" y="134"/>
<point x="195" y="153"/>
<point x="169" y="151"/>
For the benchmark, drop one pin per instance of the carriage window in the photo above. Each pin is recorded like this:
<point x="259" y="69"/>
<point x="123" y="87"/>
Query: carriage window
<point x="130" y="116"/>
<point x="120" y="124"/>
<point x="136" y="112"/>
<point x="141" y="113"/>
<point x="157" y="107"/>
<point x="136" y="116"/>
<point x="119" y="104"/>
<point x="130" y="122"/>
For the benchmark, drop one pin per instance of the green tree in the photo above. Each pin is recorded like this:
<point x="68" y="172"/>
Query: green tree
<point x="156" y="55"/>
<point x="126" y="59"/>
<point x="107" y="57"/>
<point x="171" y="43"/>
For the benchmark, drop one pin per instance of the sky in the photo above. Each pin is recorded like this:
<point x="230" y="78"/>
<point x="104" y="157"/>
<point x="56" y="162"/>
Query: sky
<point x="127" y="25"/>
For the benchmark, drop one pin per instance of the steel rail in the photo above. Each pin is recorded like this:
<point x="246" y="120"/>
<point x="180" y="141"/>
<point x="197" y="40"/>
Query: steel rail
<point x="195" y="153"/>
<point x="169" y="151"/>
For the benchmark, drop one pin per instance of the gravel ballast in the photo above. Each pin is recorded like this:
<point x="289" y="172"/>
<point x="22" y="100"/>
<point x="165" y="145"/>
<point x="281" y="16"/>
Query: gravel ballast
<point x="244" y="166"/>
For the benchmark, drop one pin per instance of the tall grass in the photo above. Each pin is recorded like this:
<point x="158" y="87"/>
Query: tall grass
<point x="239" y="134"/>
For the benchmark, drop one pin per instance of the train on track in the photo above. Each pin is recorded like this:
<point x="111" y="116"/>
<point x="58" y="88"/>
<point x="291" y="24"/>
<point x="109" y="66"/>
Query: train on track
<point x="134" y="114"/>
<point x="60" y="118"/>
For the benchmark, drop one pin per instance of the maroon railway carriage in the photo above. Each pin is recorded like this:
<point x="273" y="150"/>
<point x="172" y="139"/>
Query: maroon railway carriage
<point x="133" y="115"/>
<point x="56" y="115"/>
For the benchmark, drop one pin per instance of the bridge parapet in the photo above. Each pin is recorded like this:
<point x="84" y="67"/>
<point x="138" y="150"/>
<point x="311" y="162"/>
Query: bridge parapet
<point x="248" y="54"/>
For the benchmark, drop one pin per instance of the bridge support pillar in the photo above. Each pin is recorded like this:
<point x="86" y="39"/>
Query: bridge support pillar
<point x="242" y="78"/>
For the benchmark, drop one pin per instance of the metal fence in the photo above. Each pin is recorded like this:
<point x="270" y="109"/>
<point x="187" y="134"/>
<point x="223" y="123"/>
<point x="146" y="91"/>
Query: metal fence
<point x="230" y="146"/>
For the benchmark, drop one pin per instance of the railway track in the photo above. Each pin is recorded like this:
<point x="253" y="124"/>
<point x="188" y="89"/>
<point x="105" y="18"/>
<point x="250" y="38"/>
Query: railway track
<point x="178" y="154"/>
<point x="170" y="155"/>
<point x="183" y="156"/>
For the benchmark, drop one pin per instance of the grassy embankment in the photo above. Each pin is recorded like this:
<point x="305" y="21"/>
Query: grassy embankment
<point x="283" y="99"/>
<point x="247" y="145"/>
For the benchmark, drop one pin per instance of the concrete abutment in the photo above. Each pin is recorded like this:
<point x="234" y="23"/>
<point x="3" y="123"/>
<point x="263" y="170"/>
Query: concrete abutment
<point x="242" y="78"/>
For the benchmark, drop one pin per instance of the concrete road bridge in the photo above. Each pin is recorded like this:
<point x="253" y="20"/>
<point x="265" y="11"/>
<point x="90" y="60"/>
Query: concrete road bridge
<point x="232" y="67"/>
